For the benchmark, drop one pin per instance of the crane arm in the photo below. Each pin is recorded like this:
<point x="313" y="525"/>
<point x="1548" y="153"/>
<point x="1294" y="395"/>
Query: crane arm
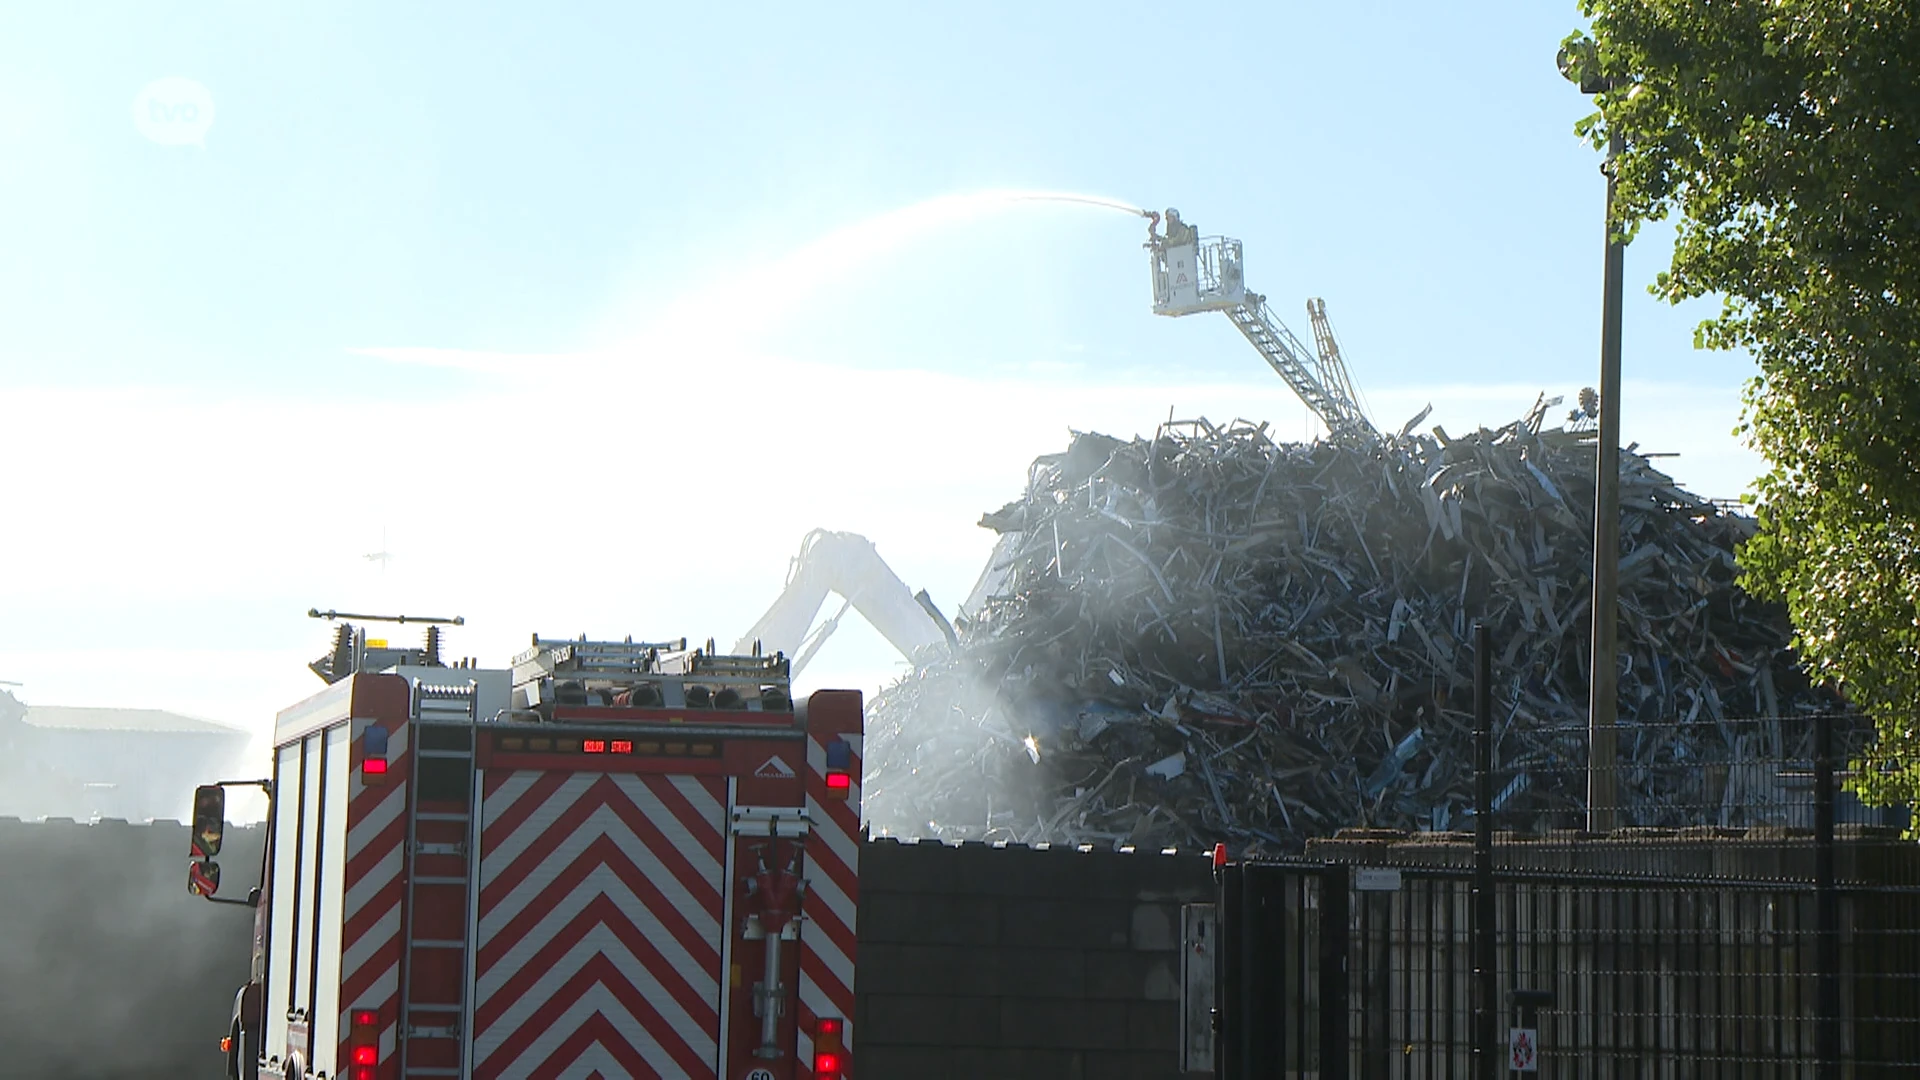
<point x="848" y="565"/>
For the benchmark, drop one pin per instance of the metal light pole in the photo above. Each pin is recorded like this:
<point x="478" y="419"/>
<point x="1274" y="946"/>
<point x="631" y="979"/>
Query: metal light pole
<point x="1580" y="66"/>
<point x="1603" y="696"/>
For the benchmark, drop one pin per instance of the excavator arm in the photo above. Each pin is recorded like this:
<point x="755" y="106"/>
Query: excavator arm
<point x="847" y="565"/>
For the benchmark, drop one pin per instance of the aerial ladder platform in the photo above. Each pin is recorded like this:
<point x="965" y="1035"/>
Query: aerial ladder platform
<point x="1194" y="273"/>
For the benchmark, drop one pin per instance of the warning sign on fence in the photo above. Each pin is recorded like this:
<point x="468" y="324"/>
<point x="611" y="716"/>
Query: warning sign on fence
<point x="1523" y="1050"/>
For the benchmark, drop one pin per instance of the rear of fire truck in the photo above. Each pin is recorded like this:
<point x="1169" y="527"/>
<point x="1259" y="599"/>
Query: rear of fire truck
<point x="616" y="857"/>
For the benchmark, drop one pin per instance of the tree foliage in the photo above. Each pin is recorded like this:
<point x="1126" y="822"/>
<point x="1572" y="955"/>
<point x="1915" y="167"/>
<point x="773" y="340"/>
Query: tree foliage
<point x="1784" y="138"/>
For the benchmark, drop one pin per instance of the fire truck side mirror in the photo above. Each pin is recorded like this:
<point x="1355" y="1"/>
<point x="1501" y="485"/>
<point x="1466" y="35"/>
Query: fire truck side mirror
<point x="209" y="820"/>
<point x="203" y="878"/>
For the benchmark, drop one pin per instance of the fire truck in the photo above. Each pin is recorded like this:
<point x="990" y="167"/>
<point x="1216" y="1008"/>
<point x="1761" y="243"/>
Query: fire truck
<point x="614" y="858"/>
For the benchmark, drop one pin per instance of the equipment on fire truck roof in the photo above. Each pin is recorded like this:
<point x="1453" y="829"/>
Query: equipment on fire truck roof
<point x="316" y="613"/>
<point x="641" y="674"/>
<point x="353" y="651"/>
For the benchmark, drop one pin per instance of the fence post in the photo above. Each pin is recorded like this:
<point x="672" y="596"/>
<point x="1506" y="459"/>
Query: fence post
<point x="1231" y="1001"/>
<point x="1826" y="905"/>
<point x="1260" y="1012"/>
<point x="1335" y="891"/>
<point x="1486" y="1051"/>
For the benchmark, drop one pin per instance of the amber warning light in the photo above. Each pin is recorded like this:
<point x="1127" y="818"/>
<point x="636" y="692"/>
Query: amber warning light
<point x="543" y="744"/>
<point x="606" y="746"/>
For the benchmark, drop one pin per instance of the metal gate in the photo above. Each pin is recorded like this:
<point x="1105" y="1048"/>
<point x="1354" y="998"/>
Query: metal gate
<point x="1593" y="975"/>
<point x="1723" y="927"/>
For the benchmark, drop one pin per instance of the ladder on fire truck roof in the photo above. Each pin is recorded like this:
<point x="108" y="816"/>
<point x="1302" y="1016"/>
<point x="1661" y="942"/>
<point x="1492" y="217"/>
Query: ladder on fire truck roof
<point x="663" y="667"/>
<point x="606" y="659"/>
<point x="449" y="709"/>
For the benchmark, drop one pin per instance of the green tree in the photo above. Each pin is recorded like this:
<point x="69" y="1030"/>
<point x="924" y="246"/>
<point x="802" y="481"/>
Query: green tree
<point x="1784" y="138"/>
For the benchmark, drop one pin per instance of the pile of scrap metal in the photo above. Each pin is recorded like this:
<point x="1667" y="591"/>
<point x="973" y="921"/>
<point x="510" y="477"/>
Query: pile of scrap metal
<point x="1213" y="636"/>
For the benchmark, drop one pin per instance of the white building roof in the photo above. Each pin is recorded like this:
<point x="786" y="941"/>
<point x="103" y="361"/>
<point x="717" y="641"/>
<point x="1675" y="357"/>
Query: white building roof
<point x="86" y="718"/>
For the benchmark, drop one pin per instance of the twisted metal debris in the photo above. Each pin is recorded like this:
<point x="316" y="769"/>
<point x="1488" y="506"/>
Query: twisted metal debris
<point x="1213" y="636"/>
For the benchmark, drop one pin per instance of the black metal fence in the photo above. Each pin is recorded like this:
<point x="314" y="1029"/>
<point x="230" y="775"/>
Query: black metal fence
<point x="1644" y="978"/>
<point x="1746" y="916"/>
<point x="1757" y="779"/>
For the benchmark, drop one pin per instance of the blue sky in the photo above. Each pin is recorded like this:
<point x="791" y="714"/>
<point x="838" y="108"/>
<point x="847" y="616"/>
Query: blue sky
<point x="631" y="238"/>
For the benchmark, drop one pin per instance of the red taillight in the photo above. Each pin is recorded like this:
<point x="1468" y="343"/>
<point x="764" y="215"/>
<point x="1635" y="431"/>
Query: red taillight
<point x="373" y="755"/>
<point x="839" y="784"/>
<point x="364" y="1036"/>
<point x="593" y="746"/>
<point x="829" y="1053"/>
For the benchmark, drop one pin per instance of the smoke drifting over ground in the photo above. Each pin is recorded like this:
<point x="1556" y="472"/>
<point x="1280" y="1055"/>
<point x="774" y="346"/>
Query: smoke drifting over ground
<point x="108" y="968"/>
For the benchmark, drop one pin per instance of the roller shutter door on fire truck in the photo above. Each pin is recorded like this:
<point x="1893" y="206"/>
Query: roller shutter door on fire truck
<point x="599" y="937"/>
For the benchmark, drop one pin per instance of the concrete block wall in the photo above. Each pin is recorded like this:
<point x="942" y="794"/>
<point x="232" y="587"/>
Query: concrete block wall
<point x="1021" y="963"/>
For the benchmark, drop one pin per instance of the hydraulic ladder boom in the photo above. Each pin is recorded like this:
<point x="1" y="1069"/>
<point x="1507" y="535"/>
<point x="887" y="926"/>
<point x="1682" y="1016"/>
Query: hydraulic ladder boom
<point x="1193" y="273"/>
<point x="1325" y="392"/>
<point x="1333" y="368"/>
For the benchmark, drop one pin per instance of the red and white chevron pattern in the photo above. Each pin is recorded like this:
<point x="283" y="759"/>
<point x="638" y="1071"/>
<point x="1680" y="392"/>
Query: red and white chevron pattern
<point x="370" y="941"/>
<point x="600" y="927"/>
<point x="832" y="901"/>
